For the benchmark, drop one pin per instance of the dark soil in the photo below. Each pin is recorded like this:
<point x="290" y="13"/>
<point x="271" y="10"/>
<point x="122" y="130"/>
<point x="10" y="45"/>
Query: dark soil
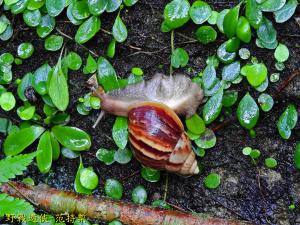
<point x="247" y="192"/>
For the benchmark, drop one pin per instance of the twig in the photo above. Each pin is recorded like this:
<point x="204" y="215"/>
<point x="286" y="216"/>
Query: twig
<point x="187" y="37"/>
<point x="172" y="50"/>
<point x="69" y="37"/>
<point x="106" y="31"/>
<point x="223" y="124"/>
<point x="166" y="187"/>
<point x="129" y="176"/>
<point x="286" y="83"/>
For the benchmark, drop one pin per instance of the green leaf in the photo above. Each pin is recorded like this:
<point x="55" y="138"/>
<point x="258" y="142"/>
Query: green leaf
<point x="233" y="44"/>
<point x="91" y="65"/>
<point x="256" y="73"/>
<point x="7" y="34"/>
<point x="212" y="181"/>
<point x="55" y="7"/>
<point x="119" y="30"/>
<point x="160" y="204"/>
<point x="225" y="56"/>
<point x="230" y="21"/>
<point x="212" y="107"/>
<point x="35" y="4"/>
<point x="25" y="83"/>
<point x="80" y="10"/>
<point x="195" y="124"/>
<point x="179" y="58"/>
<point x="286" y="12"/>
<point x="10" y="2"/>
<point x="253" y="13"/>
<point x="212" y="20"/>
<point x="44" y="153"/>
<point x="266" y="102"/>
<point x="297" y="156"/>
<point x="207" y="139"/>
<point x="287" y="121"/>
<point x="220" y="19"/>
<point x="74" y="61"/>
<point x="150" y="174"/>
<point x="106" y="75"/>
<point x="120" y="132"/>
<point x="17" y="141"/>
<point x="3" y="23"/>
<point x="72" y="138"/>
<point x="55" y="147"/>
<point x="113" y="189"/>
<point x="111" y="49"/>
<point x="176" y="13"/>
<point x="206" y="34"/>
<point x="139" y="195"/>
<point x="243" y="30"/>
<point x="69" y="154"/>
<point x="46" y="26"/>
<point x="270" y="163"/>
<point x="25" y="50"/>
<point x="88" y="178"/>
<point x="106" y="156"/>
<point x="71" y="17"/>
<point x="271" y="5"/>
<point x="229" y="98"/>
<point x="32" y="17"/>
<point x="231" y="71"/>
<point x="40" y="79"/>
<point x="26" y="112"/>
<point x="54" y="42"/>
<point x="200" y="12"/>
<point x="137" y="71"/>
<point x="281" y="53"/>
<point x="11" y="167"/>
<point x="19" y="6"/>
<point x="7" y="101"/>
<point x="248" y="112"/>
<point x="113" y="5"/>
<point x="88" y="29"/>
<point x="130" y="2"/>
<point x="77" y="185"/>
<point x="58" y="88"/>
<point x="14" y="206"/>
<point x="209" y="76"/>
<point x="97" y="7"/>
<point x="266" y="31"/>
<point x="123" y="156"/>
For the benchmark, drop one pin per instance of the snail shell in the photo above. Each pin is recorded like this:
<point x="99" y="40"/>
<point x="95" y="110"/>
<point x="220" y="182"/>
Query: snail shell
<point x="158" y="139"/>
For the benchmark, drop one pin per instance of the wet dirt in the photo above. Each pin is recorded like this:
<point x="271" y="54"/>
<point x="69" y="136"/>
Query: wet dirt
<point x="248" y="192"/>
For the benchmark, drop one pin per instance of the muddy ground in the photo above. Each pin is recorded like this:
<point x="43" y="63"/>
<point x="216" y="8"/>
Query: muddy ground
<point x="247" y="192"/>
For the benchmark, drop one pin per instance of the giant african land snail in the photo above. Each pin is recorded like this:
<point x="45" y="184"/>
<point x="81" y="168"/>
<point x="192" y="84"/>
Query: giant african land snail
<point x="156" y="133"/>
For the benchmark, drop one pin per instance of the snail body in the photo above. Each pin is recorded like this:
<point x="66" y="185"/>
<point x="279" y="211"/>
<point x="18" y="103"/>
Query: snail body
<point x="158" y="139"/>
<point x="156" y="133"/>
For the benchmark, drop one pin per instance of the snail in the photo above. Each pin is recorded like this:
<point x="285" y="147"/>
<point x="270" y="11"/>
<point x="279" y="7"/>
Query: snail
<point x="156" y="133"/>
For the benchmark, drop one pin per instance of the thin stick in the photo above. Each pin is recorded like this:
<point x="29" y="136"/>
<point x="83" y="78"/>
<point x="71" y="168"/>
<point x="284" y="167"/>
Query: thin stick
<point x="102" y="113"/>
<point x="166" y="187"/>
<point x="105" y="209"/>
<point x="172" y="50"/>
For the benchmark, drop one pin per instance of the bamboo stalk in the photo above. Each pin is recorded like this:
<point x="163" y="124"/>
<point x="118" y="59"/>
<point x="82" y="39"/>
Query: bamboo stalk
<point x="56" y="201"/>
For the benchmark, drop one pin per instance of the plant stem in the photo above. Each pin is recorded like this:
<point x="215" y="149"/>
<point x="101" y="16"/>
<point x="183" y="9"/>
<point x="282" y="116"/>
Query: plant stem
<point x="172" y="50"/>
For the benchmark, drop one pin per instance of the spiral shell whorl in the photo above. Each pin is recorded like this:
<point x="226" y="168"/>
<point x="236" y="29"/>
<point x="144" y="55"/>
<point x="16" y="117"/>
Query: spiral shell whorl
<point x="157" y="137"/>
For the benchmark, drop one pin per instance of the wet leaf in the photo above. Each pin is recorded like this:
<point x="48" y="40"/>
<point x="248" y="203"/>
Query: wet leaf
<point x="200" y="12"/>
<point x="69" y="154"/>
<point x="220" y="19"/>
<point x="150" y="174"/>
<point x="212" y="107"/>
<point x="97" y="7"/>
<point x="26" y="112"/>
<point x="17" y="141"/>
<point x="32" y="17"/>
<point x="231" y="71"/>
<point x="88" y="178"/>
<point x="248" y="112"/>
<point x="19" y="6"/>
<point x="119" y="30"/>
<point x="74" y="61"/>
<point x="80" y="10"/>
<point x="88" y="29"/>
<point x="266" y="32"/>
<point x="106" y="156"/>
<point x="123" y="156"/>
<point x="91" y="65"/>
<point x="77" y="185"/>
<point x="139" y="195"/>
<point x="58" y="89"/>
<point x="253" y="13"/>
<point x="287" y="121"/>
<point x="243" y="30"/>
<point x="55" y="147"/>
<point x="255" y="73"/>
<point x="44" y="153"/>
<point x="297" y="156"/>
<point x="46" y="26"/>
<point x="229" y="98"/>
<point x="195" y="124"/>
<point x="206" y="34"/>
<point x="106" y="75"/>
<point x="179" y="58"/>
<point x="225" y="56"/>
<point x="113" y="189"/>
<point x="7" y="34"/>
<point x="111" y="49"/>
<point x="54" y="42"/>
<point x="25" y="83"/>
<point x="72" y="138"/>
<point x="113" y="5"/>
<point x="271" y="5"/>
<point x="25" y="50"/>
<point x="209" y="76"/>
<point x="71" y="17"/>
<point x="7" y="101"/>
<point x="286" y="12"/>
<point x="130" y="2"/>
<point x="212" y="181"/>
<point x="176" y="13"/>
<point x="230" y="21"/>
<point x="120" y="132"/>
<point x="40" y="79"/>
<point x="233" y="44"/>
<point x="55" y="7"/>
<point x="266" y="102"/>
<point x="207" y="139"/>
<point x="281" y="53"/>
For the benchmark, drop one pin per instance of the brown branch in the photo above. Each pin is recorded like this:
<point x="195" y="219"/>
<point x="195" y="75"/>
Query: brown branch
<point x="105" y="209"/>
